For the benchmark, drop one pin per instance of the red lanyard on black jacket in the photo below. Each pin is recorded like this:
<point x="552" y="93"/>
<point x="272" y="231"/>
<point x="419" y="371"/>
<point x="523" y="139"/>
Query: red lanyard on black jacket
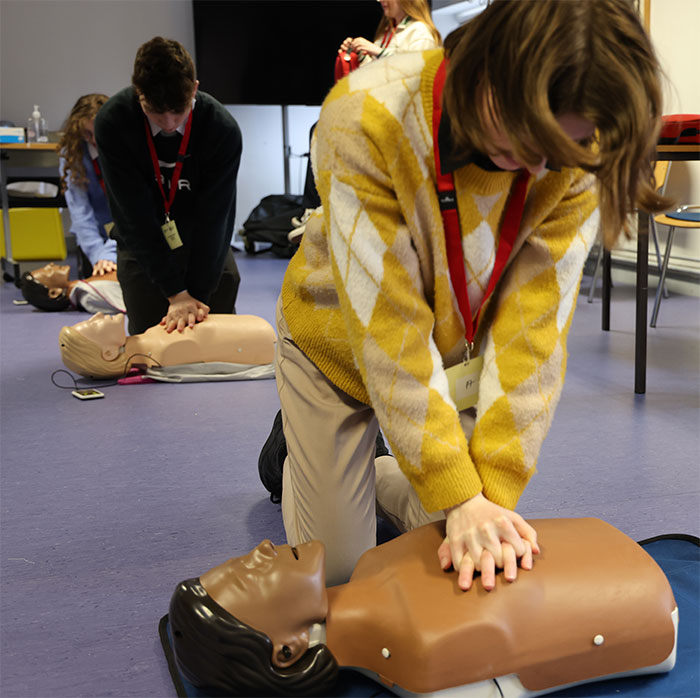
<point x="168" y="201"/>
<point x="450" y="218"/>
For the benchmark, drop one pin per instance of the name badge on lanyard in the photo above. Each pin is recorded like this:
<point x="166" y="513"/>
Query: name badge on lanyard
<point x="463" y="378"/>
<point x="172" y="237"/>
<point x="169" y="228"/>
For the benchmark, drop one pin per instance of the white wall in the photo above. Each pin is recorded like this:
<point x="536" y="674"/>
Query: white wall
<point x="52" y="51"/>
<point x="674" y="30"/>
<point x="450" y="15"/>
<point x="262" y="164"/>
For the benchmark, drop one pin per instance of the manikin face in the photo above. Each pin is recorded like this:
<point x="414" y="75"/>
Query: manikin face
<point x="392" y="9"/>
<point x="276" y="589"/>
<point x="107" y="331"/>
<point x="168" y="121"/>
<point x="53" y="276"/>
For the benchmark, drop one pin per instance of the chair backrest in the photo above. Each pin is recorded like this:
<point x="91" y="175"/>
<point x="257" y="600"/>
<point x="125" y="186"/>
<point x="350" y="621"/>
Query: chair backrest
<point x="37" y="234"/>
<point x="661" y="170"/>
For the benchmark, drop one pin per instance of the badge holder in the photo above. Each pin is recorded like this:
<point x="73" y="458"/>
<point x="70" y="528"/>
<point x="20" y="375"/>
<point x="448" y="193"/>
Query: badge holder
<point x="463" y="379"/>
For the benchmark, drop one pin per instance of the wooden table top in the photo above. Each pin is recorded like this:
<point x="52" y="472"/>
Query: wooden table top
<point x="28" y="146"/>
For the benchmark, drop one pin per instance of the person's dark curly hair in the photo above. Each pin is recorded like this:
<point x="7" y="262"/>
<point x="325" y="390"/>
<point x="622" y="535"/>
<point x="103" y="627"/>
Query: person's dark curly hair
<point x="42" y="297"/>
<point x="215" y="650"/>
<point x="164" y="74"/>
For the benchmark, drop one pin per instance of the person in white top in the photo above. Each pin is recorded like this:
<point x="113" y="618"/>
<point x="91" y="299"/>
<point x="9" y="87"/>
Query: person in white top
<point x="405" y="26"/>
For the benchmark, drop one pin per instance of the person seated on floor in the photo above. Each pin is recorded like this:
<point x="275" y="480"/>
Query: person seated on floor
<point x="100" y="348"/>
<point x="50" y="288"/>
<point x="265" y="623"/>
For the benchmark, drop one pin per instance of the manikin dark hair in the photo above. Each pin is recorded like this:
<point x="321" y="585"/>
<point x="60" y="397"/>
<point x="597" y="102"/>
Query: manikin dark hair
<point x="37" y="294"/>
<point x="213" y="649"/>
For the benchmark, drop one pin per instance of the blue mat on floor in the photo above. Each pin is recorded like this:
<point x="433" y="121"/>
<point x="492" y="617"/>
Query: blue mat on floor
<point x="677" y="555"/>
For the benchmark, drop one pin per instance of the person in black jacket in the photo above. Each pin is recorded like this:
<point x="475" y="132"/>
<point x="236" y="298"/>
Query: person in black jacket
<point x="169" y="156"/>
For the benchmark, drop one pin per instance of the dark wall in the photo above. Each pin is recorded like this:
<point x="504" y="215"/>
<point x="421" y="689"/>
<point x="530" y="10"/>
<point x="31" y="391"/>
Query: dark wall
<point x="275" y="51"/>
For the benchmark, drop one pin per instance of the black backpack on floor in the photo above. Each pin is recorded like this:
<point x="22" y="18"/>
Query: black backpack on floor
<point x="270" y="222"/>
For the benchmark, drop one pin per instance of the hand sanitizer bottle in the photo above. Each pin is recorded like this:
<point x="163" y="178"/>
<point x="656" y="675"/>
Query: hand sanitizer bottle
<point x="36" y="127"/>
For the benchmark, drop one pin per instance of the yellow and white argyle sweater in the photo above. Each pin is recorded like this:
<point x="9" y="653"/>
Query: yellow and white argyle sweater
<point x="368" y="296"/>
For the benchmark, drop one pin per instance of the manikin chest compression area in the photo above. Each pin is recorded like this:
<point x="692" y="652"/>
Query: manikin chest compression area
<point x="404" y="622"/>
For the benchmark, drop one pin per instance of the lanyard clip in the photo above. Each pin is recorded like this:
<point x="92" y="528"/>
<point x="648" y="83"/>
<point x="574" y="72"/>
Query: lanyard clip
<point x="167" y="217"/>
<point x="468" y="349"/>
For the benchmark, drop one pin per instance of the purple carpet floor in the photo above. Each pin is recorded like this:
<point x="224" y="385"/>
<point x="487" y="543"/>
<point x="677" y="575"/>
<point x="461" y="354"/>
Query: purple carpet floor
<point x="106" y="504"/>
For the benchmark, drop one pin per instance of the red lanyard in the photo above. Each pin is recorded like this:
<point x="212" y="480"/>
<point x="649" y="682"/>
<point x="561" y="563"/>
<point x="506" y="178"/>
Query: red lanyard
<point x="98" y="172"/>
<point x="168" y="201"/>
<point x="450" y="218"/>
<point x="385" y="43"/>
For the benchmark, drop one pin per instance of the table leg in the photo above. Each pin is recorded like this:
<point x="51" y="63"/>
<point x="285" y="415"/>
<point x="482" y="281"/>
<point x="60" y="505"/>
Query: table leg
<point x="640" y="330"/>
<point x="607" y="285"/>
<point x="5" y="218"/>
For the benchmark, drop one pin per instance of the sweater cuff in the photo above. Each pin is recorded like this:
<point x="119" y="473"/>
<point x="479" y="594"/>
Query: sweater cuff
<point x="447" y="486"/>
<point x="503" y="485"/>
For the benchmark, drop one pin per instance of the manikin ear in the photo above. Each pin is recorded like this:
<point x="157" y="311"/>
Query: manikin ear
<point x="55" y="292"/>
<point x="285" y="653"/>
<point x="110" y="353"/>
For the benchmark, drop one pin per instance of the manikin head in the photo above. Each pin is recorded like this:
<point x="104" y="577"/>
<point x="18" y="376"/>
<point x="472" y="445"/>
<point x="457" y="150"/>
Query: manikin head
<point x="95" y="348"/>
<point x="245" y="626"/>
<point x="47" y="288"/>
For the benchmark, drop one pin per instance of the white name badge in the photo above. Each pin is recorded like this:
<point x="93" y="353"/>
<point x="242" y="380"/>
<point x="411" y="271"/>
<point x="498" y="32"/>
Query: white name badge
<point x="463" y="379"/>
<point x="171" y="235"/>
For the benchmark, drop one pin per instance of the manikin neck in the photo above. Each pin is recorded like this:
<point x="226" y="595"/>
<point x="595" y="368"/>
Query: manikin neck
<point x="137" y="345"/>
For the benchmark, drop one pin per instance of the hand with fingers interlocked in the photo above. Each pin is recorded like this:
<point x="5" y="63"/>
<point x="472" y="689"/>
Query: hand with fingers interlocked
<point x="184" y="311"/>
<point x="483" y="537"/>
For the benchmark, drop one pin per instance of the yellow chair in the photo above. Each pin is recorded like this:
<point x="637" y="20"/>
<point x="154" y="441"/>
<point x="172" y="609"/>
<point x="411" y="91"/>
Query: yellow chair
<point x="37" y="234"/>
<point x="672" y="224"/>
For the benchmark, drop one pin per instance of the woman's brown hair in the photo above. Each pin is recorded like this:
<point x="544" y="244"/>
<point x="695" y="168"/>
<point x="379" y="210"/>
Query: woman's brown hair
<point x="415" y="9"/>
<point x="522" y="63"/>
<point x="71" y="144"/>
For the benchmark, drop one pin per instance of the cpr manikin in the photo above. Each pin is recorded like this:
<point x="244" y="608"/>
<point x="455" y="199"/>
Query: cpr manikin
<point x="264" y="623"/>
<point x="50" y="288"/>
<point x="100" y="348"/>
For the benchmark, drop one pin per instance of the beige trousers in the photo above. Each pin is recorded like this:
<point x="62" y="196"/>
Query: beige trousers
<point x="332" y="487"/>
